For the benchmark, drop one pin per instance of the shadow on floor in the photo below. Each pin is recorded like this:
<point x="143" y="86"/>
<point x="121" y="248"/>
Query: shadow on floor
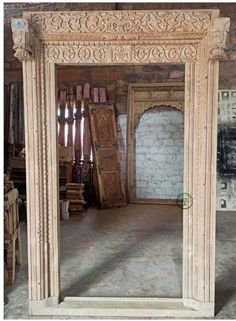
<point x="225" y="290"/>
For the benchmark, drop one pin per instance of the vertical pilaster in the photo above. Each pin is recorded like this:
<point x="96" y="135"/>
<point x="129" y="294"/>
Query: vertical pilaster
<point x="38" y="278"/>
<point x="211" y="159"/>
<point x="53" y="174"/>
<point x="42" y="178"/>
<point x="188" y="227"/>
<point x="200" y="177"/>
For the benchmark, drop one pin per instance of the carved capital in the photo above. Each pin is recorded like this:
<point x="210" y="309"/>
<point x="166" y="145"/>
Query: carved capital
<point x="22" y="38"/>
<point x="220" y="31"/>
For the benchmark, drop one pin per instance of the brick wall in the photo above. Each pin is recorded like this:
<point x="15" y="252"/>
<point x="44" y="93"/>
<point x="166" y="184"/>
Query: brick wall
<point x="159" y="148"/>
<point x="158" y="153"/>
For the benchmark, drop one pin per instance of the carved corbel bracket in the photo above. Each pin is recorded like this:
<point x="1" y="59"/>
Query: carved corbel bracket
<point x="220" y="31"/>
<point x="23" y="39"/>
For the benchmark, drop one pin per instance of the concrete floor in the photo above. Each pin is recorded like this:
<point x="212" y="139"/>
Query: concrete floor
<point x="131" y="251"/>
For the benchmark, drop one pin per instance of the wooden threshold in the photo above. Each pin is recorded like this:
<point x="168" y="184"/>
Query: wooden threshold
<point x="122" y="307"/>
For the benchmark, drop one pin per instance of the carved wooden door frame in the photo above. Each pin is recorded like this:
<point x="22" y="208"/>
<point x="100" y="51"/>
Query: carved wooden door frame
<point x="163" y="94"/>
<point x="194" y="37"/>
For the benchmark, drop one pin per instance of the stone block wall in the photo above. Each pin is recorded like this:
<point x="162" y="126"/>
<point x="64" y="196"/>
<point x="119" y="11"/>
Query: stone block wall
<point x="159" y="152"/>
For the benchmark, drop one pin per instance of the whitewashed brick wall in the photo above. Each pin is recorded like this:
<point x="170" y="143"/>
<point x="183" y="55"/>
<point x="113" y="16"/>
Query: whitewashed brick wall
<point x="158" y="156"/>
<point x="226" y="184"/>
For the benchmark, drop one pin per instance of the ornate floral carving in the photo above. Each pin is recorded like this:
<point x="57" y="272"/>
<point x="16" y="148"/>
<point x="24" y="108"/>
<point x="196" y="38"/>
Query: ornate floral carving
<point x="22" y="38"/>
<point x="119" y="22"/>
<point x="120" y="53"/>
<point x="220" y="31"/>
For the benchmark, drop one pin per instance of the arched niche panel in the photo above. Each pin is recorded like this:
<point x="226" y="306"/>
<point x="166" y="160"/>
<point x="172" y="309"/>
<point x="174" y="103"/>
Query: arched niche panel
<point x="145" y="107"/>
<point x="143" y="97"/>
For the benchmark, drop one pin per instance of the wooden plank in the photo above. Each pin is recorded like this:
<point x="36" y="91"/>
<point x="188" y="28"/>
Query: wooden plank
<point x="21" y="116"/>
<point x="61" y="117"/>
<point x="6" y="112"/>
<point x="106" y="155"/>
<point x="102" y="95"/>
<point x="122" y="307"/>
<point x="78" y="116"/>
<point x="95" y="95"/>
<point x="70" y="118"/>
<point x="86" y="137"/>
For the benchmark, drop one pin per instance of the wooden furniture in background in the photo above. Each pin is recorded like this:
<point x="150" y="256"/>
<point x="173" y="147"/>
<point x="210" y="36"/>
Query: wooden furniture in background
<point x="12" y="239"/>
<point x="74" y="132"/>
<point x="78" y="118"/>
<point x="66" y="156"/>
<point x="17" y="172"/>
<point x="106" y="155"/>
<point x="86" y="138"/>
<point x="62" y="117"/>
<point x="70" y="117"/>
<point x="75" y="196"/>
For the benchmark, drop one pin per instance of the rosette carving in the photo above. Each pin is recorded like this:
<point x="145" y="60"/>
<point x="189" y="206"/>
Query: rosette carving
<point x="121" y="53"/>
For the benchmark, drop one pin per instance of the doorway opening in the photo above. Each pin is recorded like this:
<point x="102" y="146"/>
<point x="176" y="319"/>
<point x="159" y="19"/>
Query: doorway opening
<point x="118" y="252"/>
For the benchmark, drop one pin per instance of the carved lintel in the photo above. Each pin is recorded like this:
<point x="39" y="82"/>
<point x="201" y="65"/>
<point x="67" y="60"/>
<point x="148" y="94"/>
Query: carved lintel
<point x="220" y="31"/>
<point x="22" y="38"/>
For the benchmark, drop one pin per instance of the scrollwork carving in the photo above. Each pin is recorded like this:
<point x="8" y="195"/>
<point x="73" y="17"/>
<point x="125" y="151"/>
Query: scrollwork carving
<point x="220" y="31"/>
<point x="141" y="107"/>
<point x="22" y="38"/>
<point x="115" y="22"/>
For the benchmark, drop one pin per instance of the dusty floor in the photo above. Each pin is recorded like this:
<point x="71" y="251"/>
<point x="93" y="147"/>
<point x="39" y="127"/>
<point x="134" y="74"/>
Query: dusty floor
<point x="133" y="251"/>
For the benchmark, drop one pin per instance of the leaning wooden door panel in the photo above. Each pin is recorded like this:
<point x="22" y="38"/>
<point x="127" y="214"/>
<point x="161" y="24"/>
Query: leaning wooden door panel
<point x="106" y="155"/>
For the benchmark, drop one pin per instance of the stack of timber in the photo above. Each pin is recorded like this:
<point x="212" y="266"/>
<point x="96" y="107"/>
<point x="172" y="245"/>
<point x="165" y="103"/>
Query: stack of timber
<point x="8" y="185"/>
<point x="75" y="196"/>
<point x="17" y="173"/>
<point x="12" y="239"/>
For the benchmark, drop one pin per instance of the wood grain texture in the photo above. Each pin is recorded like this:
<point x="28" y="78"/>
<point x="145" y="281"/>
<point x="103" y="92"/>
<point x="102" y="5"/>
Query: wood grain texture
<point x="106" y="155"/>
<point x="196" y="38"/>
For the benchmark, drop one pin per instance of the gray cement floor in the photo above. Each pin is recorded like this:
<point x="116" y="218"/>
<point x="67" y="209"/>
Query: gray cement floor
<point x="132" y="251"/>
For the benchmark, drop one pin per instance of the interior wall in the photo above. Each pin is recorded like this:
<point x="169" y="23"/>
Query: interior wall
<point x="116" y="81"/>
<point x="159" y="154"/>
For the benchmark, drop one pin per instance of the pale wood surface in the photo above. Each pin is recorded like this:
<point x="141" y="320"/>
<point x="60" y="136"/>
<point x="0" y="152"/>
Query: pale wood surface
<point x="196" y="38"/>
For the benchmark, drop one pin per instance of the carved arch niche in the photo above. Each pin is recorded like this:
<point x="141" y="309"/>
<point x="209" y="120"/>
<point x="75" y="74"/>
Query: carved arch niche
<point x="195" y="38"/>
<point x="141" y="98"/>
